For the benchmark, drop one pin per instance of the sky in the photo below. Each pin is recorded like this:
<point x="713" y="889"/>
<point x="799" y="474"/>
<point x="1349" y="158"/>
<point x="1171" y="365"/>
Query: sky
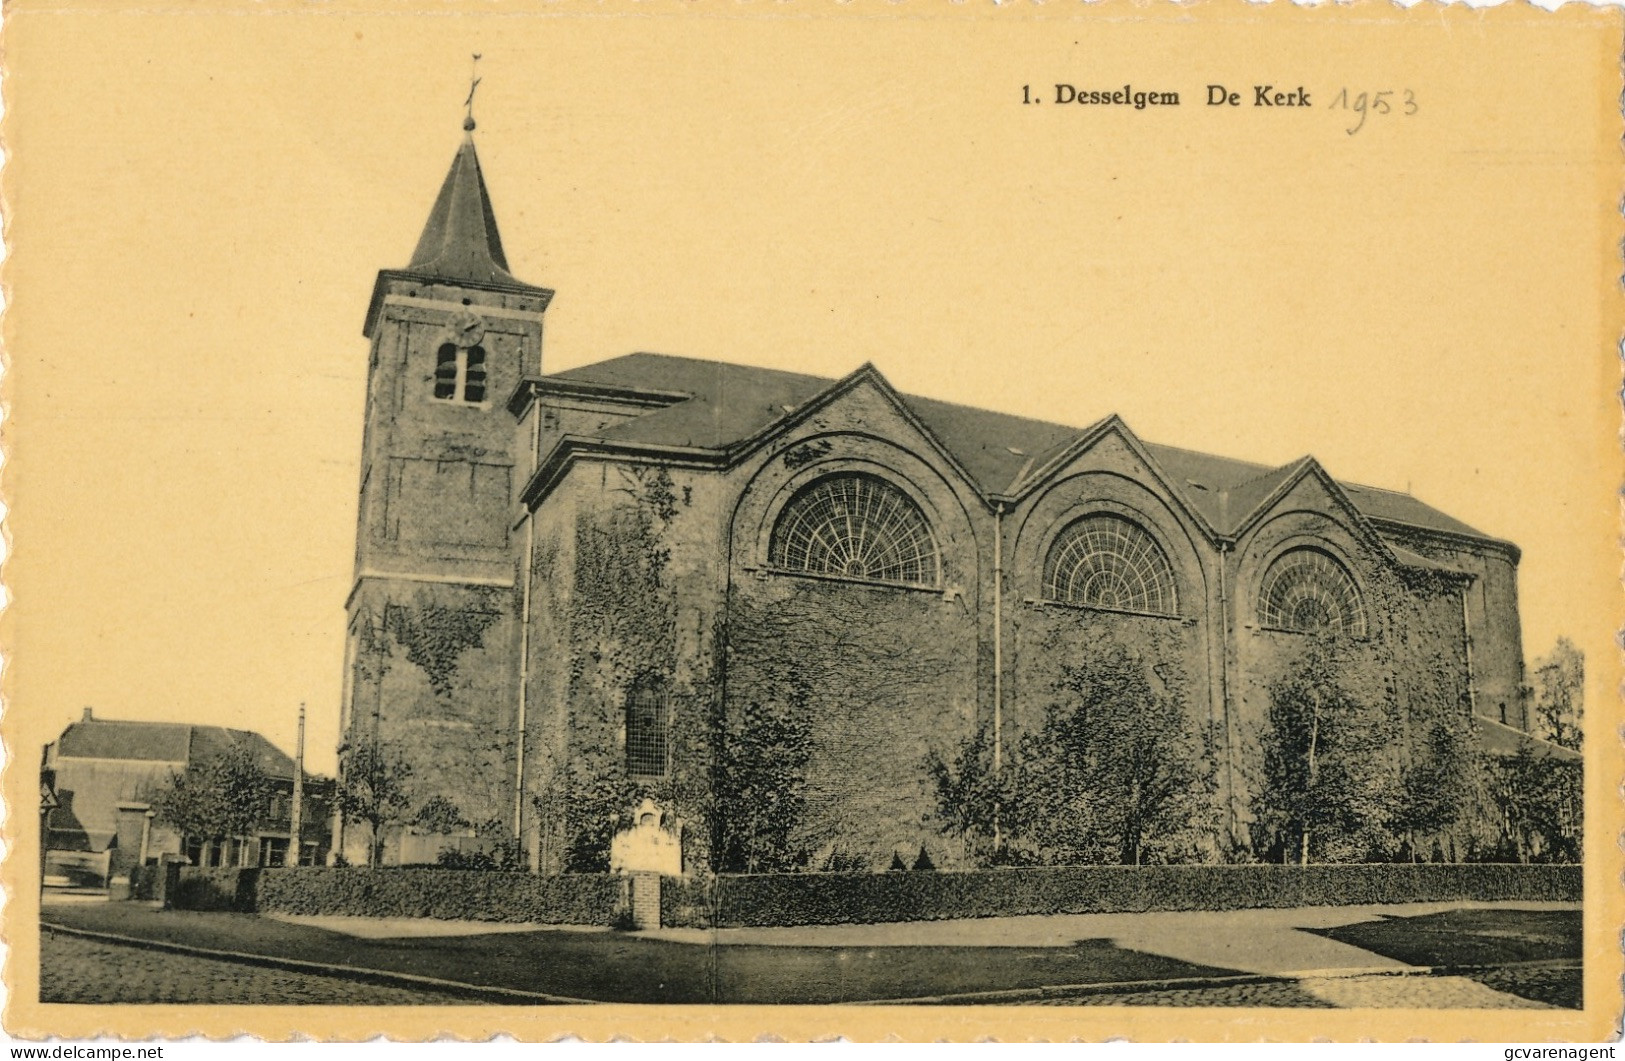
<point x="200" y="200"/>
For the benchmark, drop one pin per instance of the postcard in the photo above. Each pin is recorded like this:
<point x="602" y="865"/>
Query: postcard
<point x="930" y="520"/>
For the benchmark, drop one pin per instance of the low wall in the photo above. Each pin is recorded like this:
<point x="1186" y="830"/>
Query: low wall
<point x="448" y="894"/>
<point x="860" y="898"/>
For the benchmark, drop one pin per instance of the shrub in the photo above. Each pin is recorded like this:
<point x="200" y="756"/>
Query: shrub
<point x="687" y="903"/>
<point x="824" y="899"/>
<point x="215" y="889"/>
<point x="583" y="899"/>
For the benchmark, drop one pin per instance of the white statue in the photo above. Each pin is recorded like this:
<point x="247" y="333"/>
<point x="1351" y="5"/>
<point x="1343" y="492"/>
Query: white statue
<point x="646" y="847"/>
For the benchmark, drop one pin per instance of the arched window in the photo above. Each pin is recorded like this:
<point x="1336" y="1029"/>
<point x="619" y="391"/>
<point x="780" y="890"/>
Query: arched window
<point x="648" y="729"/>
<point x="1109" y="562"/>
<point x="856" y="526"/>
<point x="1308" y="591"/>
<point x="459" y="374"/>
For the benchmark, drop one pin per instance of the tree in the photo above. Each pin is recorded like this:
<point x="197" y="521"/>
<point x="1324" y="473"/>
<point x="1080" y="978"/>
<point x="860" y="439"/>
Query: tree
<point x="1559" y="695"/>
<point x="1324" y="793"/>
<point x="440" y="815"/>
<point x="1541" y="800"/>
<point x="759" y="780"/>
<point x="1440" y="782"/>
<point x="372" y="791"/>
<point x="969" y="795"/>
<point x="1115" y="775"/>
<point x="221" y="798"/>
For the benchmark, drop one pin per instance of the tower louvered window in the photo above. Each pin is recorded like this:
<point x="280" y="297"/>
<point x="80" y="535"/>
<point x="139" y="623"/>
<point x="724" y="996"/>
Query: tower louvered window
<point x="1308" y="591"/>
<point x="459" y="374"/>
<point x="856" y="526"/>
<point x="648" y="730"/>
<point x="1109" y="562"/>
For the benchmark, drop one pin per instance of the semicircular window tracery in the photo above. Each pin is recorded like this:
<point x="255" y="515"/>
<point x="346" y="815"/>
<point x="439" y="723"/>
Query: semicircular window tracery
<point x="1106" y="561"/>
<point x="855" y="526"/>
<point x="1308" y="591"/>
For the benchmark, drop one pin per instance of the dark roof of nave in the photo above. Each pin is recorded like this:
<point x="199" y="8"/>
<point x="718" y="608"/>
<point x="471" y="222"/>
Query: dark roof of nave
<point x="727" y="404"/>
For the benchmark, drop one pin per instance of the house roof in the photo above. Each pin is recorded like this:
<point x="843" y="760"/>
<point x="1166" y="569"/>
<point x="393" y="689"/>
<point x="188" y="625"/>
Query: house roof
<point x="166" y="742"/>
<point x="729" y="404"/>
<point x="1502" y="740"/>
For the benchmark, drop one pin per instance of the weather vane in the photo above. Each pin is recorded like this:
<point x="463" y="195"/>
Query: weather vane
<point x="473" y="83"/>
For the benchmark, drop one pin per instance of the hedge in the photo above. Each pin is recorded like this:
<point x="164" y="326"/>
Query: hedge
<point x="687" y="903"/>
<point x="861" y="898"/>
<point x="837" y="898"/>
<point x="448" y="894"/>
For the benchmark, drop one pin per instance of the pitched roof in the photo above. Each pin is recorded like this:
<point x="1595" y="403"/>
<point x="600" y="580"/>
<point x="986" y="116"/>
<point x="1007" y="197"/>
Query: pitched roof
<point x="166" y="742"/>
<point x="460" y="240"/>
<point x="730" y="403"/>
<point x="1502" y="740"/>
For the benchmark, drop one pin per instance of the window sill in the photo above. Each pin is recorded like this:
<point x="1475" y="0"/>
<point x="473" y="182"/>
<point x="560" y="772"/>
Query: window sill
<point x="1075" y="606"/>
<point x="1263" y="629"/>
<point x="818" y="576"/>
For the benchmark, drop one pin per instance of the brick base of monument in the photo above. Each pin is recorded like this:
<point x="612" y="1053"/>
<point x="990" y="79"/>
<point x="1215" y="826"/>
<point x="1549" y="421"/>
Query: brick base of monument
<point x="645" y="900"/>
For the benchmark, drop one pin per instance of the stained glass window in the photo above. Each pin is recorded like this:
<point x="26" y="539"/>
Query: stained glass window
<point x="1107" y="561"/>
<point x="856" y="526"/>
<point x="648" y="726"/>
<point x="1308" y="591"/>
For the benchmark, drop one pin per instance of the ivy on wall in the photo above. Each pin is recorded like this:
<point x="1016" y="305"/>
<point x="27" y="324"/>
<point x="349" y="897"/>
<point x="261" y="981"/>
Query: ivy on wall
<point x="623" y="626"/>
<point x="843" y="678"/>
<point x="436" y="635"/>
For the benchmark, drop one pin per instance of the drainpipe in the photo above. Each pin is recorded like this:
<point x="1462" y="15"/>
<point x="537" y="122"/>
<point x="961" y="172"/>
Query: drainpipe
<point x="524" y="634"/>
<point x="1467" y="649"/>
<point x="998" y="661"/>
<point x="998" y="638"/>
<point x="1224" y="690"/>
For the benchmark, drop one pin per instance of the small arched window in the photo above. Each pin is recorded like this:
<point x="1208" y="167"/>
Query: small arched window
<point x="856" y="526"/>
<point x="459" y="374"/>
<point x="1106" y="561"/>
<point x="648" y="730"/>
<point x="1308" y="591"/>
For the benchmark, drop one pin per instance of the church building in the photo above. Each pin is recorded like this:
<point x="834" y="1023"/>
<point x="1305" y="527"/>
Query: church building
<point x="576" y="590"/>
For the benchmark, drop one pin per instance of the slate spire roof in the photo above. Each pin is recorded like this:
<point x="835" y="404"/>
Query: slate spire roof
<point x="460" y="242"/>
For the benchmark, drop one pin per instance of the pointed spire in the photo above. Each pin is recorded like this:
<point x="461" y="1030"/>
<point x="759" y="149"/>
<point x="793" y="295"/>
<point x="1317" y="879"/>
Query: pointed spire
<point x="460" y="241"/>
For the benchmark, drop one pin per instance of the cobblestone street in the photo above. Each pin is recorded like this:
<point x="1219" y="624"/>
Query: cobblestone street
<point x="80" y="970"/>
<point x="1268" y="994"/>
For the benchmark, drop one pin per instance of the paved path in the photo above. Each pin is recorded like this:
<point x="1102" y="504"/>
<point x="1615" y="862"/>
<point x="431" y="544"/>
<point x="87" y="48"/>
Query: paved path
<point x="1270" y="942"/>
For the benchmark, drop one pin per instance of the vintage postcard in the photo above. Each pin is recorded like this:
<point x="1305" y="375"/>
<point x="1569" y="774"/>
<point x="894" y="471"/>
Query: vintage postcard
<point x="1045" y="521"/>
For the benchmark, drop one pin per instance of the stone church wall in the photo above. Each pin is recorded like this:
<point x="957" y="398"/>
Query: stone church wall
<point x="627" y="596"/>
<point x="433" y="680"/>
<point x="883" y="676"/>
<point x="880" y="675"/>
<point x="1409" y="668"/>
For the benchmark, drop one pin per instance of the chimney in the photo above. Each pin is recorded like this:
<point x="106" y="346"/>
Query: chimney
<point x="88" y="717"/>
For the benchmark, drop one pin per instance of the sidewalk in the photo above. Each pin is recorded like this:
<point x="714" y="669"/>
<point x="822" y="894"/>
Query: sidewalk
<point x="1254" y="957"/>
<point x="1270" y="942"/>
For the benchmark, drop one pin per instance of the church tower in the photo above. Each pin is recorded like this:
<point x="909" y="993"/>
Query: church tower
<point x="430" y="662"/>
